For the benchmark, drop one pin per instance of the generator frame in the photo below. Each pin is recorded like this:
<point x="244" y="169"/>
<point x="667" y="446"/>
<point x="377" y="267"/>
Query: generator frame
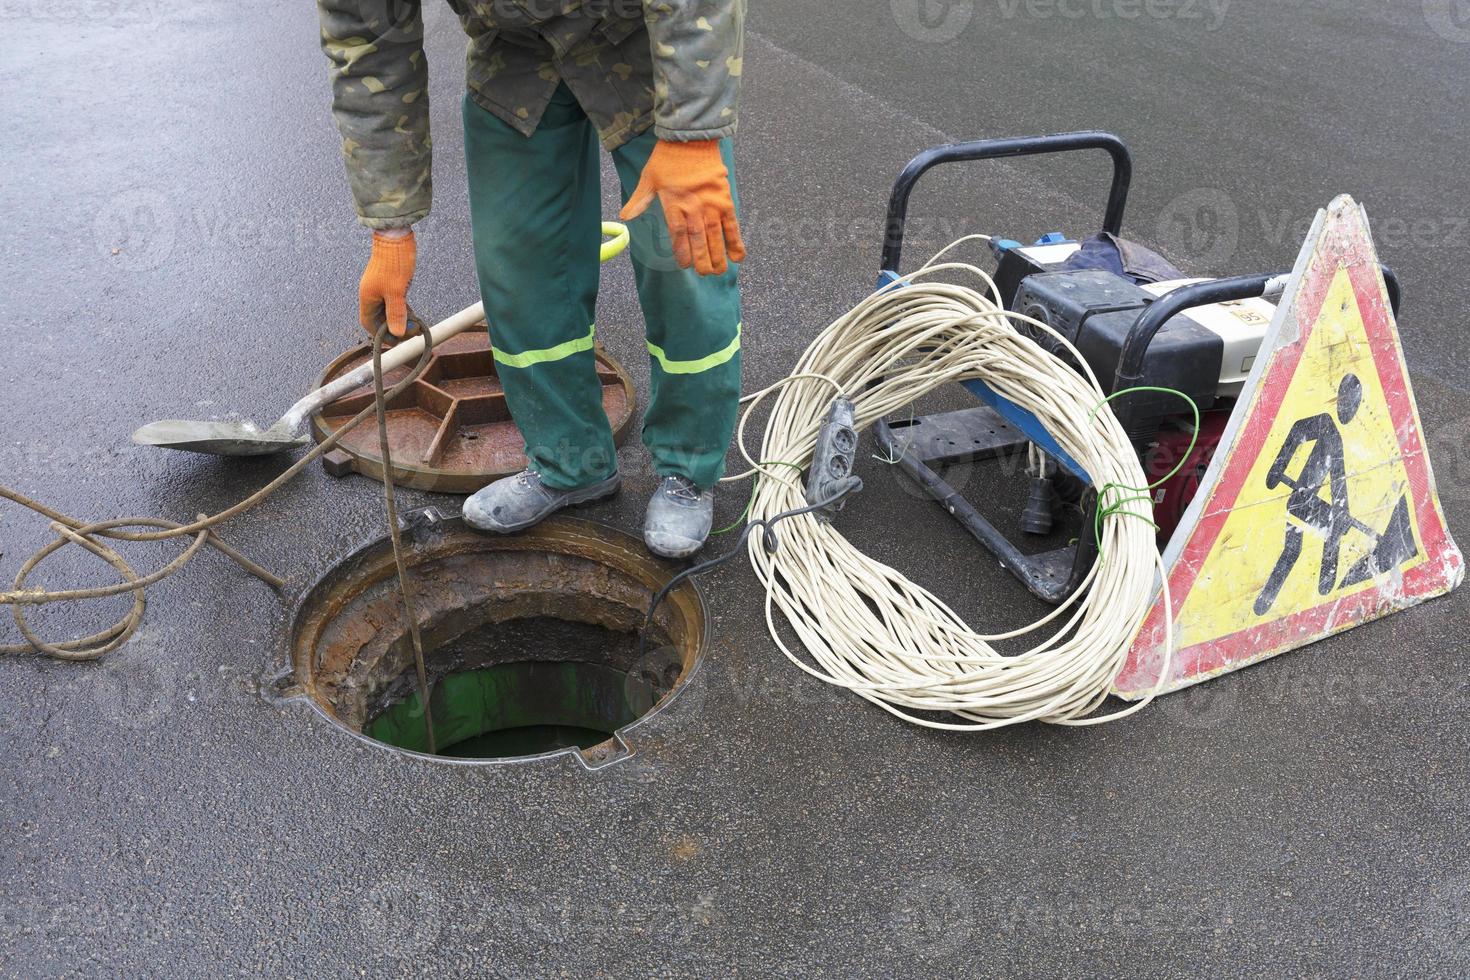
<point x="998" y="427"/>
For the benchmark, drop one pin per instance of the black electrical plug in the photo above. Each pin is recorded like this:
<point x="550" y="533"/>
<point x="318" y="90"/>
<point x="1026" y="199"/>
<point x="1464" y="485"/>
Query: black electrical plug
<point x="1041" y="507"/>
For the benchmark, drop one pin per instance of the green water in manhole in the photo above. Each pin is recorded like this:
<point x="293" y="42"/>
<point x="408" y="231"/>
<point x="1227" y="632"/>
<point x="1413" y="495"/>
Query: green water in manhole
<point x="516" y="709"/>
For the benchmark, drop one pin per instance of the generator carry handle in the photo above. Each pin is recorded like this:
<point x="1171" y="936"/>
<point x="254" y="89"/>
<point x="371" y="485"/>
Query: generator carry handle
<point x="1160" y="311"/>
<point x="1020" y="146"/>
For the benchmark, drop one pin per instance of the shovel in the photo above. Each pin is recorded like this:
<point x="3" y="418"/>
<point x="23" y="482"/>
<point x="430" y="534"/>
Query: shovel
<point x="245" y="438"/>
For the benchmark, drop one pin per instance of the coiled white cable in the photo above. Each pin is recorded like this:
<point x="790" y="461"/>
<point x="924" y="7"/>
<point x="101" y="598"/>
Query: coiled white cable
<point x="868" y="628"/>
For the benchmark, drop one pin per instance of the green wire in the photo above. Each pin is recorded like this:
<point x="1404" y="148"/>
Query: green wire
<point x="1193" y="437"/>
<point x="751" y="502"/>
<point x="1141" y="493"/>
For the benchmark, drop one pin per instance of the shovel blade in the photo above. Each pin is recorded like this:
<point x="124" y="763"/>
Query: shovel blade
<point x="217" y="438"/>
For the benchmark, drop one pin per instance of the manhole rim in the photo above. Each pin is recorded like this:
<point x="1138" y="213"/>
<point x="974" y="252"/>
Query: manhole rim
<point x="289" y="689"/>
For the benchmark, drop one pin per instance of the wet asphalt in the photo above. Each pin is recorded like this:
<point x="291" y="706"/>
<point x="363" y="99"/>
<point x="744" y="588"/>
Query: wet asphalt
<point x="178" y="241"/>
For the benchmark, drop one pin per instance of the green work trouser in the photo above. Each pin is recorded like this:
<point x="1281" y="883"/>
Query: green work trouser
<point x="535" y="213"/>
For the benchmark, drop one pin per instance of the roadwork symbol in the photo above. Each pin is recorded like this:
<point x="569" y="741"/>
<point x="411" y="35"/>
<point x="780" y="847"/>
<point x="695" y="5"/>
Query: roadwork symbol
<point x="1319" y="510"/>
<point x="1319" y="502"/>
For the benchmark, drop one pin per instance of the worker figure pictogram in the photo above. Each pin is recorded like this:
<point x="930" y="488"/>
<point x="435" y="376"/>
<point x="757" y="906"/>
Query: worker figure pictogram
<point x="1329" y="514"/>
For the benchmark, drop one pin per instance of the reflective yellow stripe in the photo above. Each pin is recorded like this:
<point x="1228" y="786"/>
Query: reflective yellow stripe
<point x="527" y="358"/>
<point x="694" y="367"/>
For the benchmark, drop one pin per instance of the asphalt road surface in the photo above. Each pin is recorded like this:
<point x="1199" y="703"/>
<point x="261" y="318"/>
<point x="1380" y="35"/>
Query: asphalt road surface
<point x="178" y="240"/>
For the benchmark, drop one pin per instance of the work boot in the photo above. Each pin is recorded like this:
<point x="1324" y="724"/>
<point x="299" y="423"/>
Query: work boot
<point x="679" y="518"/>
<point x="516" y="502"/>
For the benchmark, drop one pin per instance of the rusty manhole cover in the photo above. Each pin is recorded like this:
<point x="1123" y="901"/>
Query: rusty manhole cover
<point x="531" y="640"/>
<point x="451" y="431"/>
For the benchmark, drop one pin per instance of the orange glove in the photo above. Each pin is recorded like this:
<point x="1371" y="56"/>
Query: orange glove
<point x="690" y="181"/>
<point x="384" y="287"/>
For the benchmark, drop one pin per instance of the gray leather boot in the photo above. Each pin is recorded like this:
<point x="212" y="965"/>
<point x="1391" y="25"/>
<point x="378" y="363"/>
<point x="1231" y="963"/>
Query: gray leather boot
<point x="514" y="503"/>
<point x="678" y="519"/>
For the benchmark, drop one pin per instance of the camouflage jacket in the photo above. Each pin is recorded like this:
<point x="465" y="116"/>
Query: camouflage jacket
<point x="672" y="64"/>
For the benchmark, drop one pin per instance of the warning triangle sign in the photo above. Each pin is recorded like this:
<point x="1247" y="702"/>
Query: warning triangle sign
<point x="1318" y="511"/>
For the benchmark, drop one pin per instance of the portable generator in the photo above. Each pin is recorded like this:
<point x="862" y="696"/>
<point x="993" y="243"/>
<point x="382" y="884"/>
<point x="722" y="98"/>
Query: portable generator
<point x="1137" y="321"/>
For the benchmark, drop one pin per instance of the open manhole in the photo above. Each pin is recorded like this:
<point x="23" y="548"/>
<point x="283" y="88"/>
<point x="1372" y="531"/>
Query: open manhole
<point x="531" y="640"/>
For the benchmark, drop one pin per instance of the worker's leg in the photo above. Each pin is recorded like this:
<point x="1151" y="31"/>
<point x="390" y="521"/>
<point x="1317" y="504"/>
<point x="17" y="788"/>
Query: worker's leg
<point x="535" y="208"/>
<point x="693" y="326"/>
<point x="1331" y="551"/>
<point x="1291" y="550"/>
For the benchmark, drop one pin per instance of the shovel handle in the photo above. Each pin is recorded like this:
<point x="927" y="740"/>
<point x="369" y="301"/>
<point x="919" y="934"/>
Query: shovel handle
<point x="397" y="356"/>
<point x="615" y="241"/>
